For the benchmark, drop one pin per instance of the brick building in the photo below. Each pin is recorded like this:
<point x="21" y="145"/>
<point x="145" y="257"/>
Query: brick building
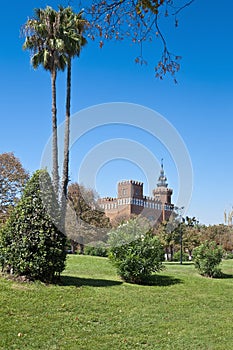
<point x="131" y="201"/>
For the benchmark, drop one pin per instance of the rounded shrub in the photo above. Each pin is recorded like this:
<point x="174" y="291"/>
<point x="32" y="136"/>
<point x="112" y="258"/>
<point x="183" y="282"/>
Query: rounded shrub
<point x="207" y="258"/>
<point x="97" y="249"/>
<point x="137" y="260"/>
<point x="31" y="243"/>
<point x="176" y="256"/>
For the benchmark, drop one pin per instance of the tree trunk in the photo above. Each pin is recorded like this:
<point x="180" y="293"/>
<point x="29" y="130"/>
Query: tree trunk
<point x="73" y="246"/>
<point x="166" y="254"/>
<point x="190" y="254"/>
<point x="65" y="174"/>
<point x="171" y="252"/>
<point x="65" y="170"/>
<point x="55" y="174"/>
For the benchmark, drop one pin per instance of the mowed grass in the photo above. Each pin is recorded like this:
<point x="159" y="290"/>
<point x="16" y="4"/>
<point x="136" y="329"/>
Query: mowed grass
<point x="93" y="309"/>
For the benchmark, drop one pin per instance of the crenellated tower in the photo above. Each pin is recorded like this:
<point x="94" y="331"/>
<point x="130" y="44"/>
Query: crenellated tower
<point x="130" y="188"/>
<point x="131" y="201"/>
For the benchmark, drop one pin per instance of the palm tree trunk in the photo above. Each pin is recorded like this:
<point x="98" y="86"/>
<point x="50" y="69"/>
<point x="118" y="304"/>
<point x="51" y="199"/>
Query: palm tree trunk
<point x="65" y="172"/>
<point x="55" y="174"/>
<point x="65" y="175"/>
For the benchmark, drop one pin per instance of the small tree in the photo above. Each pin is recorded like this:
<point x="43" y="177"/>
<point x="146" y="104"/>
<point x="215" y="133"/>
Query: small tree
<point x="191" y="235"/>
<point x="168" y="233"/>
<point x="31" y="243"/>
<point x="13" y="178"/>
<point x="207" y="258"/>
<point x="85" y="221"/>
<point x="135" y="253"/>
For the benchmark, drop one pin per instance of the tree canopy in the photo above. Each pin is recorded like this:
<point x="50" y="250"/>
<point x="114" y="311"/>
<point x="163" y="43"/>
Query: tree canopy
<point x="54" y="38"/>
<point x="85" y="222"/>
<point x="42" y="38"/>
<point x="31" y="243"/>
<point x="13" y="178"/>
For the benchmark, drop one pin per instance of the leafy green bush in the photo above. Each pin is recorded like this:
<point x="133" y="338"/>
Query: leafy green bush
<point x="99" y="249"/>
<point x="176" y="256"/>
<point x="207" y="258"/>
<point x="31" y="243"/>
<point x="128" y="231"/>
<point x="228" y="255"/>
<point x="137" y="260"/>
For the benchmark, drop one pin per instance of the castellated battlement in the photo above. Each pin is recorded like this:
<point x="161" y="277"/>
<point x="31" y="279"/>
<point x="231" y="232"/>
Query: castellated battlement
<point x="106" y="199"/>
<point x="146" y="198"/>
<point x="131" y="200"/>
<point x="127" y="182"/>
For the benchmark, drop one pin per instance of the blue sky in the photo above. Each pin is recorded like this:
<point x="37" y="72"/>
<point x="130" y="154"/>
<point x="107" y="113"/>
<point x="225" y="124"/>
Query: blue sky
<point x="200" y="106"/>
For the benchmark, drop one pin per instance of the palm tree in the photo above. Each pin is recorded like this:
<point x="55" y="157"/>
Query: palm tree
<point x="73" y="27"/>
<point x="44" y="41"/>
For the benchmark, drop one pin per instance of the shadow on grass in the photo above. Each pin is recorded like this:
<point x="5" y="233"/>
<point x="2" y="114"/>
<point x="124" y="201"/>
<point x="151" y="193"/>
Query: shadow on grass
<point x="79" y="282"/>
<point x="185" y="263"/>
<point x="162" y="281"/>
<point x="224" y="276"/>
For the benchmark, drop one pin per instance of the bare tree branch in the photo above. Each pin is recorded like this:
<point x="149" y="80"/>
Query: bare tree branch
<point x="182" y="7"/>
<point x="138" y="20"/>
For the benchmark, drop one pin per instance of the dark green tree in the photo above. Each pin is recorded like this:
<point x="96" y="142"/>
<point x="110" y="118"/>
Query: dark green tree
<point x="31" y="243"/>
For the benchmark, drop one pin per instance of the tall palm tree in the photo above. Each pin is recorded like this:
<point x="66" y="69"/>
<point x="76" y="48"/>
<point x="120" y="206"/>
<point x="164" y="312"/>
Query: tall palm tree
<point x="43" y="40"/>
<point x="73" y="27"/>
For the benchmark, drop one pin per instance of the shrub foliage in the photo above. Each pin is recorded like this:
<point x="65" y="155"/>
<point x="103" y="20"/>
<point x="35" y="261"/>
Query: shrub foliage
<point x="207" y="258"/>
<point x="31" y="243"/>
<point x="13" y="178"/>
<point x="176" y="256"/>
<point x="137" y="260"/>
<point x="96" y="249"/>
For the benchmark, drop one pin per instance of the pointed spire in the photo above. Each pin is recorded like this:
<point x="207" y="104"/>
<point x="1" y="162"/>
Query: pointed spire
<point x="162" y="180"/>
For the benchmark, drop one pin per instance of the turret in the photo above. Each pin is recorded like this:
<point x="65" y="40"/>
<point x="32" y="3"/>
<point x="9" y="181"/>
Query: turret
<point x="162" y="193"/>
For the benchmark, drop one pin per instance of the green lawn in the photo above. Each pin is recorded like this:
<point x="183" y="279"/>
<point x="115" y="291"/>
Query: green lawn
<point x="93" y="309"/>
